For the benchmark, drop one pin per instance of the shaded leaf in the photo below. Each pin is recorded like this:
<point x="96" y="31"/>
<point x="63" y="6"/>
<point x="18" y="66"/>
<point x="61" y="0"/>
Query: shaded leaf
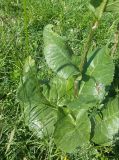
<point x="59" y="91"/>
<point x="39" y="115"/>
<point x="113" y="6"/>
<point x="107" y="126"/>
<point x="28" y="83"/>
<point x="98" y="7"/>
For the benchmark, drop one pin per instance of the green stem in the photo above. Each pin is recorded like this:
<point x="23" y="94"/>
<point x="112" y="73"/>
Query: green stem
<point x="92" y="31"/>
<point x="116" y="41"/>
<point x="87" y="45"/>
<point x="26" y="25"/>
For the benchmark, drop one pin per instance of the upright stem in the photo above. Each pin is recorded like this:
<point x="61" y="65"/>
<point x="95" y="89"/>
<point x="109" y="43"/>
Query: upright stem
<point x="26" y="26"/>
<point x="87" y="45"/>
<point x="98" y="13"/>
<point x="116" y="41"/>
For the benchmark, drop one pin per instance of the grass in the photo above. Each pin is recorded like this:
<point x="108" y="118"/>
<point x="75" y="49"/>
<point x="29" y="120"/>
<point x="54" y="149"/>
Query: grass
<point x="21" y="26"/>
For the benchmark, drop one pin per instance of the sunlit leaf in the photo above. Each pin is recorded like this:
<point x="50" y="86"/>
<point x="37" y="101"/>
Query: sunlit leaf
<point x="96" y="81"/>
<point x="100" y="66"/>
<point x="57" y="54"/>
<point x="71" y="133"/>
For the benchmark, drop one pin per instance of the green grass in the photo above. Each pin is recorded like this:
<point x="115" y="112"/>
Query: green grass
<point x="21" y="26"/>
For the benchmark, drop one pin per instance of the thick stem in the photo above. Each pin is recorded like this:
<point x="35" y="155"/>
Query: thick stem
<point x="92" y="31"/>
<point x="65" y="158"/>
<point x="87" y="45"/>
<point x="25" y="16"/>
<point x="116" y="42"/>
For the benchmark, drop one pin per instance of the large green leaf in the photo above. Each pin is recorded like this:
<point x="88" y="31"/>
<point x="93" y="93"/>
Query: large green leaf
<point x="71" y="133"/>
<point x="59" y="91"/>
<point x="98" y="7"/>
<point x="96" y="80"/>
<point x="40" y="118"/>
<point x="88" y="95"/>
<point x="28" y="82"/>
<point x="113" y="6"/>
<point x="107" y="125"/>
<point x="97" y="66"/>
<point x="39" y="115"/>
<point x="57" y="54"/>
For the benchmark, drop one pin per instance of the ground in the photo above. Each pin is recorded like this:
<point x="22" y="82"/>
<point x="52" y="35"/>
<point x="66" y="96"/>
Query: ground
<point x="21" y="29"/>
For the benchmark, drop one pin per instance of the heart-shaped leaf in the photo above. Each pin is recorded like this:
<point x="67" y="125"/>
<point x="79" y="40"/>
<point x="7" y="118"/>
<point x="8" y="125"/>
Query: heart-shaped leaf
<point x="71" y="133"/>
